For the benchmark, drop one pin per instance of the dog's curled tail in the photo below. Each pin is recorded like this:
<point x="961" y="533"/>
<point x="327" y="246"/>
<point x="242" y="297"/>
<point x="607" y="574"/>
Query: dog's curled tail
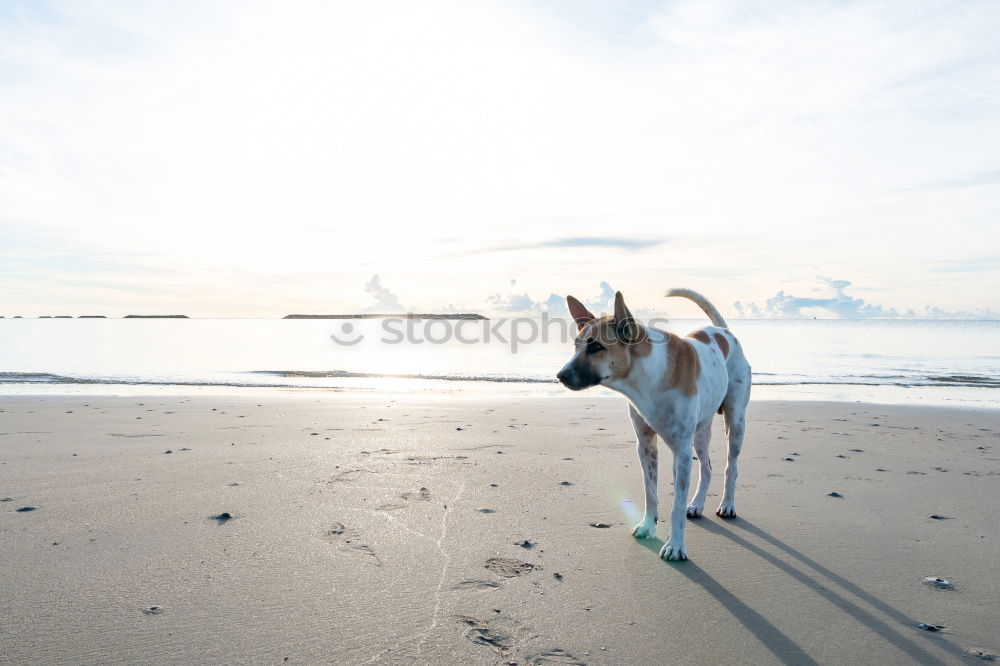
<point x="702" y="303"/>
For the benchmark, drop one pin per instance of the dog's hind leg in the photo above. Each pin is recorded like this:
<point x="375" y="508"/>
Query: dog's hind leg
<point x="736" y="424"/>
<point x="701" y="440"/>
<point x="646" y="445"/>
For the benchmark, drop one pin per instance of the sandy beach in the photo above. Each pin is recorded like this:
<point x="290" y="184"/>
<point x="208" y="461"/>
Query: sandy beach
<point x="352" y="529"/>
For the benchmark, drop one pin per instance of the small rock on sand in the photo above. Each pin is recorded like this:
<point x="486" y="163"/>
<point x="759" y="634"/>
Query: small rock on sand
<point x="152" y="610"/>
<point x="936" y="516"/>
<point x="980" y="653"/>
<point x="602" y="526"/>
<point x="525" y="543"/>
<point x="486" y="510"/>
<point x="930" y="627"/>
<point x="222" y="518"/>
<point x="834" y="494"/>
<point x="6" y="499"/>
<point x="937" y="583"/>
<point x="25" y="509"/>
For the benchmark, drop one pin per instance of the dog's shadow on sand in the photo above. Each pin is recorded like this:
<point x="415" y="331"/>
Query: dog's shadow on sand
<point x="815" y="576"/>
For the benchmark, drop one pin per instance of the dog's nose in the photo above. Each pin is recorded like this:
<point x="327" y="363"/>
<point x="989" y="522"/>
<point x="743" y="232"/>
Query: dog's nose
<point x="561" y="375"/>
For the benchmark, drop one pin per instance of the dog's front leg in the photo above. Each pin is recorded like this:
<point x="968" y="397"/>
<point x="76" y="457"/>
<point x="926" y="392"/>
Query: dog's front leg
<point x="646" y="445"/>
<point x="674" y="548"/>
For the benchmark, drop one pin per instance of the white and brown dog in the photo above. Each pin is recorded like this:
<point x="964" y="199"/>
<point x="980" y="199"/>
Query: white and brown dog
<point x="674" y="386"/>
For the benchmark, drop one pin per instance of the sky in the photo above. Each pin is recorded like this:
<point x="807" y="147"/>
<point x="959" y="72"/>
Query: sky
<point x="258" y="158"/>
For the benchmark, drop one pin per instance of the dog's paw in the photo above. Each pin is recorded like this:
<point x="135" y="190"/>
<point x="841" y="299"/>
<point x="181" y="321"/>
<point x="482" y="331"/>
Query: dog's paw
<point x="726" y="510"/>
<point x="644" y="530"/>
<point x="673" y="551"/>
<point x="694" y="511"/>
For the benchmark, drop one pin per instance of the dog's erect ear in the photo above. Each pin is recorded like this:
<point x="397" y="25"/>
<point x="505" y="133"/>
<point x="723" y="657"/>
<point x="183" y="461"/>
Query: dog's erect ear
<point x="625" y="326"/>
<point x="580" y="314"/>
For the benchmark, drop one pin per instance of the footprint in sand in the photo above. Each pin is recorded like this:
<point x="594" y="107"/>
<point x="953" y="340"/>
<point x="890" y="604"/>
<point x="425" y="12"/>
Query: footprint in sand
<point x="555" y="656"/>
<point x="482" y="633"/>
<point x="347" y="538"/>
<point x="508" y="567"/>
<point x="475" y="585"/>
<point x="421" y="495"/>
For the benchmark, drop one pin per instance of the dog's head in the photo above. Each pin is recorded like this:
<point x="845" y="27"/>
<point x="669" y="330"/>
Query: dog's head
<point x="606" y="347"/>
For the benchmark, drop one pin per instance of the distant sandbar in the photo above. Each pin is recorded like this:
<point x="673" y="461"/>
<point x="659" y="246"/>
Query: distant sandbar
<point x="408" y="315"/>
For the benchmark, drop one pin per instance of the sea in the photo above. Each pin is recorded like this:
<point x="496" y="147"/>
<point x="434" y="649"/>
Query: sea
<point x="892" y="361"/>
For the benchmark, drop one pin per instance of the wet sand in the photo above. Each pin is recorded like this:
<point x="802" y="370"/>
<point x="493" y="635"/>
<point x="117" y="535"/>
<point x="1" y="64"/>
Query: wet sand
<point x="347" y="529"/>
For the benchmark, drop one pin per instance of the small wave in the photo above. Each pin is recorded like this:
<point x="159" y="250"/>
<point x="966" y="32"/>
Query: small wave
<point x="965" y="380"/>
<point x="345" y="374"/>
<point x="49" y="378"/>
<point x="42" y="378"/>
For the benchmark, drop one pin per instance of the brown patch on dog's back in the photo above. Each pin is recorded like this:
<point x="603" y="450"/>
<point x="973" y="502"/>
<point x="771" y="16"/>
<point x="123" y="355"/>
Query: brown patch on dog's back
<point x="723" y="344"/>
<point x="683" y="366"/>
<point x="700" y="336"/>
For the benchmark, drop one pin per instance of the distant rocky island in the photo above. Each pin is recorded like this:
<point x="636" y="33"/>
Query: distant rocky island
<point x="155" y="317"/>
<point x="408" y="315"/>
<point x="92" y="317"/>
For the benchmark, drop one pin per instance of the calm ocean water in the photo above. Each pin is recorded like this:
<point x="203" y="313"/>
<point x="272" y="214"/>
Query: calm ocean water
<point x="898" y="361"/>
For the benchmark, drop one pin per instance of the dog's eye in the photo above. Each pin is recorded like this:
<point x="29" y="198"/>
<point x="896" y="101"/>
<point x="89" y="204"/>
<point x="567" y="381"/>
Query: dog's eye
<point x="594" y="346"/>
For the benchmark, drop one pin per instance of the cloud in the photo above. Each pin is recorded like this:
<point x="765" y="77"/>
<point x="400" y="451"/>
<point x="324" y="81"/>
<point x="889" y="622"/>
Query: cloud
<point x="385" y="300"/>
<point x="604" y="242"/>
<point x="840" y="305"/>
<point x="843" y="306"/>
<point x="554" y="304"/>
<point x="511" y="302"/>
<point x="604" y="302"/>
